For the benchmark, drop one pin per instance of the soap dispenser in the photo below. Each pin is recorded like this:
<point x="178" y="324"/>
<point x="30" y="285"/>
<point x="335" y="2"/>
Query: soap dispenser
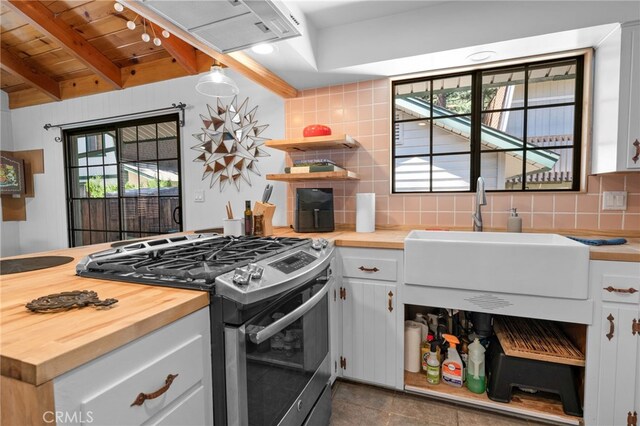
<point x="514" y="224"/>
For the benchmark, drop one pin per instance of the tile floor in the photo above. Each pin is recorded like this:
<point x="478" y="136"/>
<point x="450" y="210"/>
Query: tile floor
<point x="357" y="404"/>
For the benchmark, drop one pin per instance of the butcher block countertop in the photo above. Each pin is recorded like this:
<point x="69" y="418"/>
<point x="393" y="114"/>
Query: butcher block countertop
<point x="393" y="238"/>
<point x="36" y="347"/>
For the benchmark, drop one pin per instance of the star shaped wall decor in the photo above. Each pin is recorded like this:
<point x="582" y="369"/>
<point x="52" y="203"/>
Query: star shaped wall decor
<point x="230" y="144"/>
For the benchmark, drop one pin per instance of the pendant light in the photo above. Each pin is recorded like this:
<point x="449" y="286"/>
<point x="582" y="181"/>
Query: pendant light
<point x="216" y="84"/>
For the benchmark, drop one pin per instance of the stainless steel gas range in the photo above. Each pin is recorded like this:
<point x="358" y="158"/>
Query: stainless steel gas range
<point x="269" y="310"/>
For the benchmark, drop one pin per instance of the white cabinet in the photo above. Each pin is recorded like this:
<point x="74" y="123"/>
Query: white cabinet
<point x="616" y="102"/>
<point x="172" y="366"/>
<point x="372" y="318"/>
<point x="613" y="355"/>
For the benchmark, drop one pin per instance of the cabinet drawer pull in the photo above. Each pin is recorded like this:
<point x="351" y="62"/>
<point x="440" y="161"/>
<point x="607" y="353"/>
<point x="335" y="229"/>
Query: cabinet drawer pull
<point x="142" y="397"/>
<point x="390" y="301"/>
<point x="363" y="269"/>
<point x="632" y="419"/>
<point x="611" y="327"/>
<point x="635" y="327"/>
<point x="612" y="289"/>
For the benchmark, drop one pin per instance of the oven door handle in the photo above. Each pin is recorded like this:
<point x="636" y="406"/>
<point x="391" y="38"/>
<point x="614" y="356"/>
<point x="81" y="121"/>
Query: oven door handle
<point x="279" y="325"/>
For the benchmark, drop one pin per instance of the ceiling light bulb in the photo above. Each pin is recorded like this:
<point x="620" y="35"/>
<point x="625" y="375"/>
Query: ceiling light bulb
<point x="157" y="41"/>
<point x="146" y="37"/>
<point x="131" y="25"/>
<point x="262" y="48"/>
<point x="165" y="34"/>
<point x="118" y="7"/>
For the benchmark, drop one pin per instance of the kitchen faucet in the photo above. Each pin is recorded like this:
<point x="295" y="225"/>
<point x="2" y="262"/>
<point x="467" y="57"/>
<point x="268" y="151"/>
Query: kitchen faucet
<point x="481" y="200"/>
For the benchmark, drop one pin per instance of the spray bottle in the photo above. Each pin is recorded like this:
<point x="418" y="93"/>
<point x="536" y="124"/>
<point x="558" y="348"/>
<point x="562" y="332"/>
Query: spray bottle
<point x="475" y="374"/>
<point x="452" y="369"/>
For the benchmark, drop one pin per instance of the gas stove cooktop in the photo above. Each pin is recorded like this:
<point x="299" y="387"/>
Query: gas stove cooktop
<point x="189" y="261"/>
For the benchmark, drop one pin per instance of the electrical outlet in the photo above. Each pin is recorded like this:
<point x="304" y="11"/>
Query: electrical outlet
<point x="614" y="200"/>
<point x="198" y="197"/>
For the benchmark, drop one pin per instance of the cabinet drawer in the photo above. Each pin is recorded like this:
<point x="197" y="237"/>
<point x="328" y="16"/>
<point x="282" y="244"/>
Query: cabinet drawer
<point x="620" y="288"/>
<point x="371" y="264"/>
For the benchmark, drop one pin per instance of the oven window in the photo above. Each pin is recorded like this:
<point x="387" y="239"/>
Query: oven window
<point x="280" y="368"/>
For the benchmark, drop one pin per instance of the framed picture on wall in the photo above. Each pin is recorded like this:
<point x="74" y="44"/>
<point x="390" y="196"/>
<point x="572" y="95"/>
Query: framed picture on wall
<point x="11" y="175"/>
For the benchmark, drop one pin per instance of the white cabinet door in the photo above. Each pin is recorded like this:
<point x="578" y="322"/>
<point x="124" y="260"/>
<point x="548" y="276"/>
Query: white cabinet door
<point x="371" y="343"/>
<point x="619" y="358"/>
<point x="629" y="124"/>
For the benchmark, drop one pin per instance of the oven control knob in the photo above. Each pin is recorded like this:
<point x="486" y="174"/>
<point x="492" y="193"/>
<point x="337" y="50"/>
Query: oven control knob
<point x="241" y="276"/>
<point x="255" y="270"/>
<point x="324" y="243"/>
<point x="316" y="245"/>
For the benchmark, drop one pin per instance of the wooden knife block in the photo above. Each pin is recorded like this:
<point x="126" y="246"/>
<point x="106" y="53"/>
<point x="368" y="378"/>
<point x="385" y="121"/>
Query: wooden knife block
<point x="266" y="210"/>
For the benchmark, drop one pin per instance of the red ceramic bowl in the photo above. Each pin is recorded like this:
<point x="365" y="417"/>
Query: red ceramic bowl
<point x="316" y="130"/>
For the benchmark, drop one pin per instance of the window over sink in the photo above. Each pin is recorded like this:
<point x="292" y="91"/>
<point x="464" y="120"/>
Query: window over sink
<point x="517" y="126"/>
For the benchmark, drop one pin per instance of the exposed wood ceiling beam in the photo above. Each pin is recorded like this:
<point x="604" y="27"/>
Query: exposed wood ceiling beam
<point x="47" y="23"/>
<point x="14" y="65"/>
<point x="183" y="53"/>
<point x="238" y="61"/>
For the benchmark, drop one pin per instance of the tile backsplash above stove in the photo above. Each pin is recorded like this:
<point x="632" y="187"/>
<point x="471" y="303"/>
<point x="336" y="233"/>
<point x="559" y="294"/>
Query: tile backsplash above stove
<point x="362" y="110"/>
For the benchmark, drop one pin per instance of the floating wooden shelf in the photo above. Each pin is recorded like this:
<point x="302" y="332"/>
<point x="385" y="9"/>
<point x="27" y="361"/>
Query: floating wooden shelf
<point x="293" y="177"/>
<point x="314" y="143"/>
<point x="539" y="405"/>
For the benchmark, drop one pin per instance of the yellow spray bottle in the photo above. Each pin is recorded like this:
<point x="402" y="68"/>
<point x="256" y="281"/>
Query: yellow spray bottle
<point x="452" y="368"/>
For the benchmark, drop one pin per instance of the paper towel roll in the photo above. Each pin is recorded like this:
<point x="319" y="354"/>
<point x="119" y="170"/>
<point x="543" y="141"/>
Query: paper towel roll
<point x="365" y="212"/>
<point x="412" y="346"/>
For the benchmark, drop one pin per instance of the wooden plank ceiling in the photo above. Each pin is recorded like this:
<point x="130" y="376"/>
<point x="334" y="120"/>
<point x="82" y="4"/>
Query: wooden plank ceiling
<point x="56" y="50"/>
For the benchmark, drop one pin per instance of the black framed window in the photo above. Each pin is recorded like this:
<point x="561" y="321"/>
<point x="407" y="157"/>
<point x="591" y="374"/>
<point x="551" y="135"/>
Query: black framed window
<point x="519" y="127"/>
<point x="123" y="180"/>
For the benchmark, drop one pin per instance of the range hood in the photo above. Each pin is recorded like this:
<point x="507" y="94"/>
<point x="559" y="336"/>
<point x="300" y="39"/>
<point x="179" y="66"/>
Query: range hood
<point x="230" y="25"/>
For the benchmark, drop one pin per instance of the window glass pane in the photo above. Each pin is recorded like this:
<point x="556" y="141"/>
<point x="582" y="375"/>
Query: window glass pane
<point x="147" y="147"/>
<point x="130" y="219"/>
<point x="130" y="235"/>
<point x="113" y="236"/>
<point x="503" y="89"/>
<point x="96" y="182"/>
<point x="412" y="138"/>
<point x="148" y="212"/>
<point x="98" y="237"/>
<point x="552" y="84"/>
<point x="129" y="183"/>
<point x="94" y="149"/>
<point x="547" y="122"/>
<point x="169" y="179"/>
<point x="451" y="135"/>
<point x="81" y="218"/>
<point x="502" y="130"/>
<point x="451" y="172"/>
<point x="412" y="174"/>
<point x="128" y="144"/>
<point x="96" y="210"/>
<point x="148" y="176"/>
<point x="559" y="176"/>
<point x="501" y="170"/>
<point x="109" y="147"/>
<point x="111" y="181"/>
<point x="78" y="150"/>
<point x="78" y="182"/>
<point x="167" y="207"/>
<point x="452" y="95"/>
<point x="167" y="140"/>
<point x="412" y="100"/>
<point x="112" y="215"/>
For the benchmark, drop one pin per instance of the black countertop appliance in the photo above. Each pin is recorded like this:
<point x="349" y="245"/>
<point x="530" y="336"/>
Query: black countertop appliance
<point x="314" y="210"/>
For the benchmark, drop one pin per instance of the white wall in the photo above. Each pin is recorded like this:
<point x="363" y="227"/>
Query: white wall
<point x="9" y="231"/>
<point x="46" y="224"/>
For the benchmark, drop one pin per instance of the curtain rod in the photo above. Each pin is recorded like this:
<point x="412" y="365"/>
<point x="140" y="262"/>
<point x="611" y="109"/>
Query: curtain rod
<point x="179" y="106"/>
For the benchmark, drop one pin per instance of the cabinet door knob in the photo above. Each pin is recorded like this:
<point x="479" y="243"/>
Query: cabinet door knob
<point x="632" y="419"/>
<point x="365" y="269"/>
<point x="611" y="327"/>
<point x="636" y="157"/>
<point x="142" y="397"/>
<point x="390" y="301"/>
<point x="635" y="327"/>
<point x="612" y="289"/>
